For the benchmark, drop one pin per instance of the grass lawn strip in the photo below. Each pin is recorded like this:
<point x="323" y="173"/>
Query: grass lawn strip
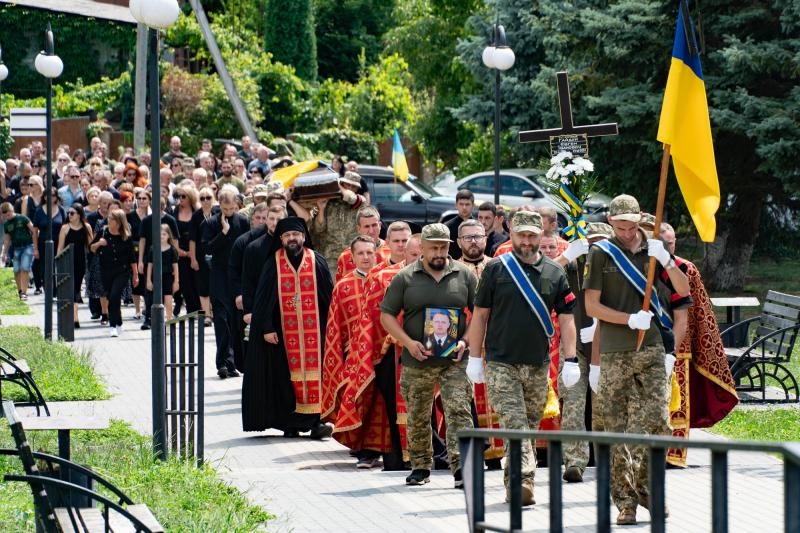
<point x="761" y="424"/>
<point x="10" y="304"/>
<point x="61" y="373"/>
<point x="182" y="496"/>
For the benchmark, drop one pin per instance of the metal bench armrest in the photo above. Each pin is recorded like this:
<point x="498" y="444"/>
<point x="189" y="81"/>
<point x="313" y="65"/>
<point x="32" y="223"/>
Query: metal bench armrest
<point x="71" y="487"/>
<point x="759" y="342"/>
<point x="733" y="327"/>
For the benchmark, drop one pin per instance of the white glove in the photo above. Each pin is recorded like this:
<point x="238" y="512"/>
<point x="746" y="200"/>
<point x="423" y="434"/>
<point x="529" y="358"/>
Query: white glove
<point x="640" y="320"/>
<point x="475" y="369"/>
<point x="349" y="197"/>
<point x="594" y="377"/>
<point x="587" y="333"/>
<point x="570" y="374"/>
<point x="669" y="363"/>
<point x="576" y="249"/>
<point x="655" y="248"/>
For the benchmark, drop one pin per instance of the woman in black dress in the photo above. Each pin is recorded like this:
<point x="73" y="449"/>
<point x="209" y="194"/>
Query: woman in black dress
<point x="118" y="264"/>
<point x="135" y="217"/>
<point x="40" y="223"/>
<point x="197" y="255"/>
<point x="188" y="203"/>
<point x="77" y="233"/>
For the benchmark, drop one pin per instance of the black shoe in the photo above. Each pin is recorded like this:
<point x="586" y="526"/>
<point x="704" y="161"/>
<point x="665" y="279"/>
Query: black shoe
<point x="573" y="474"/>
<point x="232" y="373"/>
<point x="103" y="320"/>
<point x="321" y="431"/>
<point x="459" y="479"/>
<point x="222" y="373"/>
<point x="77" y="325"/>
<point x="493" y="464"/>
<point x="290" y="433"/>
<point x="419" y="477"/>
<point x="95" y="317"/>
<point x="37" y="292"/>
<point x="145" y="326"/>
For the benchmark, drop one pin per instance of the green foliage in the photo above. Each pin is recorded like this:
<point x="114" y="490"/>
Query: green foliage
<point x="355" y="145"/>
<point x="290" y="35"/>
<point x="183" y="497"/>
<point x="90" y="48"/>
<point x="62" y="374"/>
<point x="781" y="425"/>
<point x="381" y="100"/>
<point x="10" y="304"/>
<point x="6" y="142"/>
<point x="346" y="29"/>
<point x="479" y="154"/>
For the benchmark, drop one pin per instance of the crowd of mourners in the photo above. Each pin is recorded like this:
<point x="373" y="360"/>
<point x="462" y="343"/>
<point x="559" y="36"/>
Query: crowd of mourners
<point x="387" y="339"/>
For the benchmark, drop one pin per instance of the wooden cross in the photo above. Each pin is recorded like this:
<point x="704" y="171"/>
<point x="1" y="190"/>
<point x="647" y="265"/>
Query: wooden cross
<point x="568" y="137"/>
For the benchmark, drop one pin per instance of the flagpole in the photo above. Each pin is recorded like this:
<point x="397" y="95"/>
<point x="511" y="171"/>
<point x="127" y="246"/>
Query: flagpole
<point x="651" y="271"/>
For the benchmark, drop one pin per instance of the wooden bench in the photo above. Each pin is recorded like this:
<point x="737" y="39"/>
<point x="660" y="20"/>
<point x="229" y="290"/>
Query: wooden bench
<point x="759" y="366"/>
<point x="17" y="371"/>
<point x="53" y="498"/>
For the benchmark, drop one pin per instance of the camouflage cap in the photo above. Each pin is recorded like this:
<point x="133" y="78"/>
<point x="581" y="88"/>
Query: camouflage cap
<point x="596" y="230"/>
<point x="436" y="232"/>
<point x="260" y="190"/>
<point x="647" y="222"/>
<point x="526" y="221"/>
<point x="624" y="207"/>
<point x="351" y="178"/>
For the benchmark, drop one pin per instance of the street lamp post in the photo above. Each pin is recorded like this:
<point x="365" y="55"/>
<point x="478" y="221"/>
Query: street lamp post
<point x="3" y="76"/>
<point x="156" y="15"/>
<point x="497" y="56"/>
<point x="50" y="66"/>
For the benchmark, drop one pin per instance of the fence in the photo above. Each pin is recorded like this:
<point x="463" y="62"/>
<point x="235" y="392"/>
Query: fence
<point x="471" y="444"/>
<point x="65" y="293"/>
<point x="184" y="386"/>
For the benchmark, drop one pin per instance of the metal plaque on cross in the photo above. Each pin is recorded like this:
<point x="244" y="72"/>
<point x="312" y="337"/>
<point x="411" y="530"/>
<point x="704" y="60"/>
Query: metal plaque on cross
<point x="568" y="138"/>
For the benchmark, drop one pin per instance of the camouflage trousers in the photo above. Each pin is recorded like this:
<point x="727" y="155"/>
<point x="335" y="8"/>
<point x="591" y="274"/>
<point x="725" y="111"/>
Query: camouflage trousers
<point x="634" y="399"/>
<point x="519" y="394"/>
<point x="417" y="387"/>
<point x="573" y="412"/>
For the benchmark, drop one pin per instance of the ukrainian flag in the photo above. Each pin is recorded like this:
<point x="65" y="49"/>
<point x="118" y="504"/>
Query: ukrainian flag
<point x="399" y="158"/>
<point x="685" y="126"/>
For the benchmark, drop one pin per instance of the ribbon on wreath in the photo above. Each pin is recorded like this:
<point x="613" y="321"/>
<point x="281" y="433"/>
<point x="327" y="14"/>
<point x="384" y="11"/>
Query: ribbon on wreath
<point x="576" y="225"/>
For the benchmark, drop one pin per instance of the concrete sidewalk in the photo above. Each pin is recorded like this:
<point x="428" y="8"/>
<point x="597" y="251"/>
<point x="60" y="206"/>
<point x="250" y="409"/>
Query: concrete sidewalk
<point x="314" y="485"/>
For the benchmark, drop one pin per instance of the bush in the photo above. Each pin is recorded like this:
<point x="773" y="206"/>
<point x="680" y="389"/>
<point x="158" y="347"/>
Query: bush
<point x="6" y="140"/>
<point x="355" y="145"/>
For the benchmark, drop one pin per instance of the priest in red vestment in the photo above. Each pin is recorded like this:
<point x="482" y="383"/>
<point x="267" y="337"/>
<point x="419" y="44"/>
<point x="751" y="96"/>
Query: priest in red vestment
<point x="287" y="335"/>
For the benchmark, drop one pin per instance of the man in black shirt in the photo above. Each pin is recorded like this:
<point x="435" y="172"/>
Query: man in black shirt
<point x="487" y="216"/>
<point x="465" y="202"/>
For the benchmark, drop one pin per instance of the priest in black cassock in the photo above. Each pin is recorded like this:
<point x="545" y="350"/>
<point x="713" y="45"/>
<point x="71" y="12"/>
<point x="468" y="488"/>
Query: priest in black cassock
<point x="283" y="366"/>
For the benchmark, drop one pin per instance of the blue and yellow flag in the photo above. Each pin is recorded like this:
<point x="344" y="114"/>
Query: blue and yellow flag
<point x="686" y="127"/>
<point x="399" y="163"/>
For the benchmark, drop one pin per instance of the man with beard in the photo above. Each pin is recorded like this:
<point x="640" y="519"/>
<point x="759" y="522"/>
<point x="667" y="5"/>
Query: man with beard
<point x="282" y="385"/>
<point x="255" y="257"/>
<point x="511" y="323"/>
<point x="226" y="169"/>
<point x="219" y="234"/>
<point x="341" y="335"/>
<point x="472" y="241"/>
<point x="258" y="221"/>
<point x="434" y="281"/>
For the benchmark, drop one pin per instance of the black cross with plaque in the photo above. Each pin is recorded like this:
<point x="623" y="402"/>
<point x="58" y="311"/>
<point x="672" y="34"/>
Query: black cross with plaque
<point x="568" y="138"/>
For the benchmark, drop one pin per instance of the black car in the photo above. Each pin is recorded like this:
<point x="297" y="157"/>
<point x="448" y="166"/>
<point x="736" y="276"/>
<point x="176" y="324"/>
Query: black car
<point x="413" y="201"/>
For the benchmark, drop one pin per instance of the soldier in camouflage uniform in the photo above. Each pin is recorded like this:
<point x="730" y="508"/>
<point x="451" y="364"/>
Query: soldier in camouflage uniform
<point x="333" y="226"/>
<point x="516" y="338"/>
<point x="633" y="389"/>
<point x="435" y="281"/>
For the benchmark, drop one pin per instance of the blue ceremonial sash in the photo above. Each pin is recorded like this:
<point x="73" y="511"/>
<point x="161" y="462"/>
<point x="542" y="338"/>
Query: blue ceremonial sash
<point x="635" y="278"/>
<point x="528" y="291"/>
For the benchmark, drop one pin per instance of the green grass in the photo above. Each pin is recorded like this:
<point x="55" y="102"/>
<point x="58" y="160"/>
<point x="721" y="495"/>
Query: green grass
<point x="10" y="304"/>
<point x="771" y="424"/>
<point x="61" y="373"/>
<point x="181" y="496"/>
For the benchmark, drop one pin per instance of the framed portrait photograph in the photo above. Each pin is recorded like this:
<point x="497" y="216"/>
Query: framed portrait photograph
<point x="441" y="331"/>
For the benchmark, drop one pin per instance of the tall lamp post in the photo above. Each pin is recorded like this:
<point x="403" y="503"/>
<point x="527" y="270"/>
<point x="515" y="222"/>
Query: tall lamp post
<point x="156" y="15"/>
<point x="50" y="66"/>
<point x="3" y="76"/>
<point x="497" y="56"/>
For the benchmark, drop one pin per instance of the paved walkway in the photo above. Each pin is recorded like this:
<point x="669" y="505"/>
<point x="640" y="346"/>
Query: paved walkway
<point x="313" y="486"/>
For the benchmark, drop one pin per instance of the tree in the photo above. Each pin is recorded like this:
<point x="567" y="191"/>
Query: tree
<point x="346" y="29"/>
<point x="290" y="35"/>
<point x="618" y="56"/>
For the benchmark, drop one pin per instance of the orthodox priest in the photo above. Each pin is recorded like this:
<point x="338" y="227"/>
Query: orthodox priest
<point x="282" y="386"/>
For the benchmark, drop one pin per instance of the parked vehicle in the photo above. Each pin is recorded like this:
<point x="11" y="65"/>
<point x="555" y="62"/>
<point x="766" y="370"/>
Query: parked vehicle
<point x="520" y="186"/>
<point x="414" y="201"/>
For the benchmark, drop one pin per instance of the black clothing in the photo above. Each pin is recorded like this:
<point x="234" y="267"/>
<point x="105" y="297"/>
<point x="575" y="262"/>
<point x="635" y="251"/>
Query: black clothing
<point x="115" y="260"/>
<point x="146" y="232"/>
<point x="219" y="245"/>
<point x="188" y="287"/>
<point x="202" y="276"/>
<point x="493" y="240"/>
<point x="79" y="240"/>
<point x="169" y="257"/>
<point x="268" y="399"/>
<point x="236" y="260"/>
<point x="452" y="225"/>
<point x="255" y="257"/>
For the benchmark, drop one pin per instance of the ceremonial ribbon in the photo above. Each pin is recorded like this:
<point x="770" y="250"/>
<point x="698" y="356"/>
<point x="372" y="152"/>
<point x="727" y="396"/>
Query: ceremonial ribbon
<point x="576" y="226"/>
<point x="529" y="292"/>
<point x="635" y="278"/>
